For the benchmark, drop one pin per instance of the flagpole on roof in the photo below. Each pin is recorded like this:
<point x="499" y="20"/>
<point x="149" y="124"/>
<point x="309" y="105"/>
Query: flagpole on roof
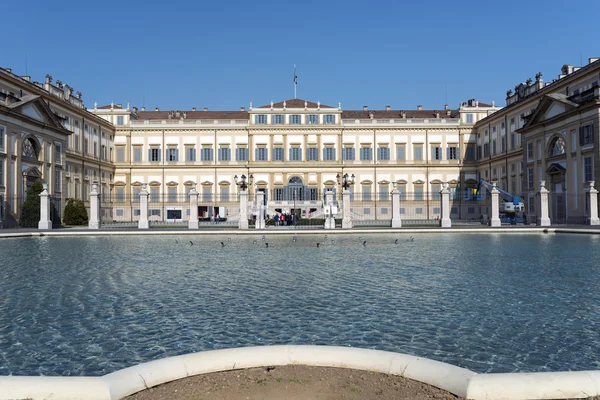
<point x="295" y="80"/>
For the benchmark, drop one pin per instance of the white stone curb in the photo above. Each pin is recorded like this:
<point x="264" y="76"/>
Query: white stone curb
<point x="460" y="381"/>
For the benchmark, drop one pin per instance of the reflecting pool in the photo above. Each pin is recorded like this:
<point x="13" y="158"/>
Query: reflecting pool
<point x="487" y="302"/>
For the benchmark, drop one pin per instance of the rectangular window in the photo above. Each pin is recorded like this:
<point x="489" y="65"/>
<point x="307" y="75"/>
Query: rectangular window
<point x="366" y="154"/>
<point x="435" y="191"/>
<point x="154" y="212"/>
<point x="56" y="181"/>
<point x="119" y="212"/>
<point x="530" y="151"/>
<point x="206" y="194"/>
<point x="419" y="192"/>
<point x="469" y="118"/>
<point x="206" y="154"/>
<point x="313" y="193"/>
<point x="329" y="119"/>
<point x="224" y="154"/>
<point x="418" y="152"/>
<point x="452" y="153"/>
<point x="154" y="195"/>
<point x="190" y="154"/>
<point x="530" y="181"/>
<point x="120" y="154"/>
<point x="384" y="192"/>
<point x="586" y="134"/>
<point x="172" y="193"/>
<point x="57" y="153"/>
<point x="312" y="119"/>
<point x="172" y="155"/>
<point x="479" y="153"/>
<point x="277" y="153"/>
<point x="486" y="150"/>
<point x="2" y="137"/>
<point x="512" y="141"/>
<point x="261" y="154"/>
<point x="136" y="194"/>
<point x="366" y="192"/>
<point x="329" y="154"/>
<point x="539" y="150"/>
<point x="400" y="152"/>
<point x="120" y="120"/>
<point x="1" y="176"/>
<point x="295" y="119"/>
<point x="120" y="194"/>
<point x="312" y="154"/>
<point x="95" y="149"/>
<point x="278" y="119"/>
<point x="436" y="152"/>
<point x="588" y="174"/>
<point x="296" y="154"/>
<point x="278" y="194"/>
<point x="224" y="193"/>
<point x="383" y="153"/>
<point x="348" y="154"/>
<point x="153" y="154"/>
<point x="241" y="154"/>
<point x="367" y="211"/>
<point x="419" y="210"/>
<point x="260" y="119"/>
<point x="494" y="147"/>
<point x="384" y="211"/>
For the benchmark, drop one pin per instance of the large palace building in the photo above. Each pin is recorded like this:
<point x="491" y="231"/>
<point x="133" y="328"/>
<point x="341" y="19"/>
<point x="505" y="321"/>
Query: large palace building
<point x="297" y="149"/>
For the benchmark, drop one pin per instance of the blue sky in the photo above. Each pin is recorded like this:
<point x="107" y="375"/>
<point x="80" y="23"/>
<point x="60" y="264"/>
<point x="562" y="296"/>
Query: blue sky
<point x="223" y="55"/>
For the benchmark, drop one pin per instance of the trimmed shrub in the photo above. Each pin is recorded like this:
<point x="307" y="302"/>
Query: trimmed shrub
<point x="75" y="213"/>
<point x="30" y="212"/>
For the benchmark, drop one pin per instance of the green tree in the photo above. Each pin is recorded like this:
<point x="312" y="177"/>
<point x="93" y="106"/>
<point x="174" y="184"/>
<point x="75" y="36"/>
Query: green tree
<point x="75" y="213"/>
<point x="30" y="212"/>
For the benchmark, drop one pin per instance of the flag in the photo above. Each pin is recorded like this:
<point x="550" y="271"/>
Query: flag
<point x="295" y="76"/>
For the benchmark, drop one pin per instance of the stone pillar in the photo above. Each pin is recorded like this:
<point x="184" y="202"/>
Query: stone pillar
<point x="243" y="223"/>
<point x="396" y="220"/>
<point x="543" y="219"/>
<point x="45" y="221"/>
<point x="143" y="222"/>
<point x="329" y="218"/>
<point x="193" y="221"/>
<point x="347" y="215"/>
<point x="593" y="219"/>
<point x="260" y="206"/>
<point x="495" y="220"/>
<point x="94" y="221"/>
<point x="445" y="221"/>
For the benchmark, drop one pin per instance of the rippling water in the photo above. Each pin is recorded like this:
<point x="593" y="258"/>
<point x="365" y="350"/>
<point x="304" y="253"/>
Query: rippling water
<point x="487" y="302"/>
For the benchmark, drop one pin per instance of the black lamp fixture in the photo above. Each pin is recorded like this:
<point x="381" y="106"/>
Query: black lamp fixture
<point x="348" y="180"/>
<point x="243" y="182"/>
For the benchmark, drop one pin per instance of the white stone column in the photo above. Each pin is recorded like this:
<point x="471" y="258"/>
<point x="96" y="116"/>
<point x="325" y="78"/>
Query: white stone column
<point x="94" y="220"/>
<point x="143" y="223"/>
<point x="193" y="221"/>
<point x="260" y="205"/>
<point x="45" y="221"/>
<point x="445" y="221"/>
<point x="593" y="219"/>
<point x="243" y="222"/>
<point x="329" y="218"/>
<point x="396" y="220"/>
<point x="347" y="215"/>
<point x="543" y="219"/>
<point x="495" y="220"/>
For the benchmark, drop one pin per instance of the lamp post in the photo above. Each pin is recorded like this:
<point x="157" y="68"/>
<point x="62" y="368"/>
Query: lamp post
<point x="243" y="182"/>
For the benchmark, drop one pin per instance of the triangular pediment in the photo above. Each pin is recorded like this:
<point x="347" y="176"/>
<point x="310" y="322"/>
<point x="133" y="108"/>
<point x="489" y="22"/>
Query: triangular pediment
<point x="36" y="108"/>
<point x="550" y="106"/>
<point x="555" y="168"/>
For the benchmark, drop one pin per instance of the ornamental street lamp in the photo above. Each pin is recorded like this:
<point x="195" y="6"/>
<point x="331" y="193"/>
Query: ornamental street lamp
<point x="241" y="182"/>
<point x="347" y="181"/>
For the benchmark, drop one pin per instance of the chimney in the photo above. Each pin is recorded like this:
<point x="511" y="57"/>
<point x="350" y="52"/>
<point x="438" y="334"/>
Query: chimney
<point x="8" y="69"/>
<point x="120" y="105"/>
<point x="205" y="108"/>
<point x="156" y="109"/>
<point x="242" y="108"/>
<point x="193" y="108"/>
<point x="437" y="114"/>
<point x="143" y="108"/>
<point x="387" y="108"/>
<point x="419" y="108"/>
<point x="27" y="78"/>
<point x="446" y="107"/>
<point x="448" y="111"/>
<point x="365" y="108"/>
<point x="135" y="109"/>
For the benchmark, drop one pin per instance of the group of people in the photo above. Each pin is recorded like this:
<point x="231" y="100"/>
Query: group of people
<point x="285" y="219"/>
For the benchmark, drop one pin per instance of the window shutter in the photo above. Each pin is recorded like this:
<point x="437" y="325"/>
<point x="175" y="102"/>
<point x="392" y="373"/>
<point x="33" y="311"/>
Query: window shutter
<point x="176" y="154"/>
<point x="581" y="136"/>
<point x="149" y="154"/>
<point x="447" y="153"/>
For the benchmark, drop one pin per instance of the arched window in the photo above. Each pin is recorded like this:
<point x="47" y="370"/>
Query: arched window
<point x="29" y="149"/>
<point x="558" y="147"/>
